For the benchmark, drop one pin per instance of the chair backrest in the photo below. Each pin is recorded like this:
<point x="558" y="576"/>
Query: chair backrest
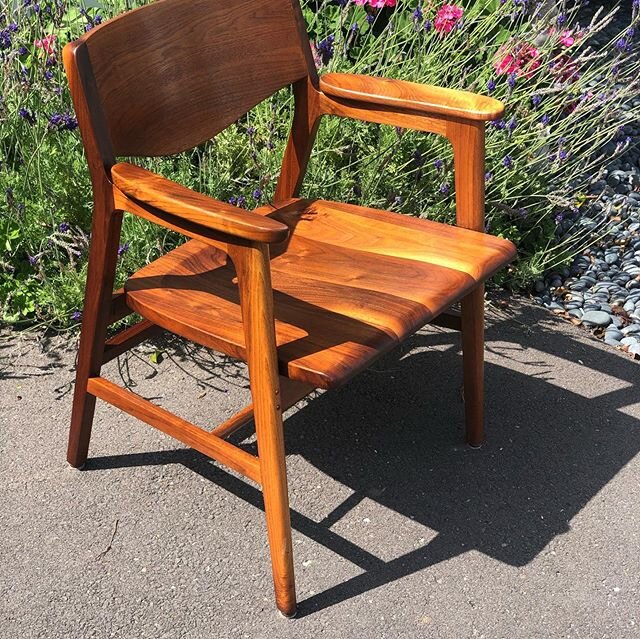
<point x="172" y="74"/>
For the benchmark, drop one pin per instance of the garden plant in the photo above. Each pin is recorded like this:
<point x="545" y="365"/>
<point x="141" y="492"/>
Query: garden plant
<point x="568" y="103"/>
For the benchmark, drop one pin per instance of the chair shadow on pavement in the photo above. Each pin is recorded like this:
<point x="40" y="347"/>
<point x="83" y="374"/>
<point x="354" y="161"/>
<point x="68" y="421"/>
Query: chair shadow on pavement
<point x="395" y="435"/>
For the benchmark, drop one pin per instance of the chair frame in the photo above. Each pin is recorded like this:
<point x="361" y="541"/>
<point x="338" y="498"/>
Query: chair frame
<point x="271" y="393"/>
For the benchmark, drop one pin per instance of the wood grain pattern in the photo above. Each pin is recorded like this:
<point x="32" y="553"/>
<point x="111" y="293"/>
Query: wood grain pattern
<point x="225" y="56"/>
<point x="153" y="190"/>
<point x="306" y="119"/>
<point x="349" y="284"/>
<point x="180" y="429"/>
<point x="473" y="365"/>
<point x="256" y="302"/>
<point x="311" y="290"/>
<point x="409" y="96"/>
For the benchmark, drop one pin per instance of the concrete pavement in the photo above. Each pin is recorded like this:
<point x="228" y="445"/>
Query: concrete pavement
<point x="399" y="529"/>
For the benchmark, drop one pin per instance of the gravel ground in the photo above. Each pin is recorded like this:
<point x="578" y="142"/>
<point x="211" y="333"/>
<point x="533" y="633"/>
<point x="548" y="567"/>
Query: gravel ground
<point x="399" y="529"/>
<point x="600" y="289"/>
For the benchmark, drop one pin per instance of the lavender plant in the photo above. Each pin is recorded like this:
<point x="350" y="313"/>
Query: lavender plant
<point x="564" y="122"/>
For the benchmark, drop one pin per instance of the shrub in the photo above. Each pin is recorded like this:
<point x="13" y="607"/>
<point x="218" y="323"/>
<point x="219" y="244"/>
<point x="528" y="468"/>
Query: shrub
<point x="564" y="121"/>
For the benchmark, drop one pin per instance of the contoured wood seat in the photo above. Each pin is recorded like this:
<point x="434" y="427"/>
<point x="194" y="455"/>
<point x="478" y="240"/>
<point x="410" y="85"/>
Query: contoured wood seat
<point x="349" y="284"/>
<point x="307" y="292"/>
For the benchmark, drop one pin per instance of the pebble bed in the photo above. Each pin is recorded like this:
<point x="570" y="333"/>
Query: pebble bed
<point x="600" y="289"/>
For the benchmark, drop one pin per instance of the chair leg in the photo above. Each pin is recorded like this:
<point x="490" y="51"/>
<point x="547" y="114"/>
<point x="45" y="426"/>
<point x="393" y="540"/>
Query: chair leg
<point x="256" y="301"/>
<point x="473" y="364"/>
<point x="276" y="505"/>
<point x="103" y="256"/>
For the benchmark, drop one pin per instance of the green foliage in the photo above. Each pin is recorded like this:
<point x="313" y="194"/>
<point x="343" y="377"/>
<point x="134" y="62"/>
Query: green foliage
<point x="561" y="126"/>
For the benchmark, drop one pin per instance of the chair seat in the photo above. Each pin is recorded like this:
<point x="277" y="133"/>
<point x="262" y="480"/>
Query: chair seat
<point x="349" y="284"/>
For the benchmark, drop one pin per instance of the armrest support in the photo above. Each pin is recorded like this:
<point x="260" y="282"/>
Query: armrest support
<point x="404" y="96"/>
<point x="194" y="208"/>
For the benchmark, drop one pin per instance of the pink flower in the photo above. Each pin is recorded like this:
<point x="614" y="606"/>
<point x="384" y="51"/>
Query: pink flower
<point x="566" y="69"/>
<point x="47" y="44"/>
<point x="566" y="38"/>
<point x="523" y="59"/>
<point x="376" y="4"/>
<point x="447" y="17"/>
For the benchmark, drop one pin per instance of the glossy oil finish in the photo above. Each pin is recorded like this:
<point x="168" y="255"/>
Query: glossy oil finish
<point x="409" y="96"/>
<point x="307" y="292"/>
<point x="153" y="190"/>
<point x="349" y="284"/>
<point x="163" y="420"/>
<point x="174" y="73"/>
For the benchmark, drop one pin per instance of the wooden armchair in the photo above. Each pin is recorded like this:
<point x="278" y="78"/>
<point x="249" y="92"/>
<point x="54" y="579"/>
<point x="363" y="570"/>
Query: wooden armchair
<point x="307" y="292"/>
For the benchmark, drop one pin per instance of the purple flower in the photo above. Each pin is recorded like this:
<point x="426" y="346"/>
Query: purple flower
<point x="562" y="154"/>
<point x="22" y="50"/>
<point x="48" y="75"/>
<point x="76" y="316"/>
<point x="63" y="122"/>
<point x="491" y="85"/>
<point x="427" y="25"/>
<point x="544" y="119"/>
<point x="123" y="248"/>
<point x="444" y="188"/>
<point x="251" y="131"/>
<point x="33" y="259"/>
<point x="622" y="44"/>
<point x="257" y="194"/>
<point x="562" y="18"/>
<point x="64" y="227"/>
<point x="512" y="124"/>
<point x="27" y="115"/>
<point x="536" y="99"/>
<point x="511" y="80"/>
<point x="5" y="39"/>
<point x="354" y="27"/>
<point x="507" y="161"/>
<point x="559" y="217"/>
<point x="488" y="176"/>
<point x="417" y="14"/>
<point x="325" y="48"/>
<point x="438" y="164"/>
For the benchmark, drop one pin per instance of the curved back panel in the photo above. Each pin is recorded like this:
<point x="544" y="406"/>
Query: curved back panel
<point x="174" y="73"/>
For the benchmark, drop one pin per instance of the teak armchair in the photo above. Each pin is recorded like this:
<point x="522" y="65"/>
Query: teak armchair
<point x="307" y="292"/>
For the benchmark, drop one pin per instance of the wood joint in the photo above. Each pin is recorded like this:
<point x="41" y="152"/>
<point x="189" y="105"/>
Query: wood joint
<point x="128" y="338"/>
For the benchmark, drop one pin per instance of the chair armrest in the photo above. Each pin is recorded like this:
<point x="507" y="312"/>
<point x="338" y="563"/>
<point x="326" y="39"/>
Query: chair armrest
<point x="409" y="96"/>
<point x="194" y="208"/>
